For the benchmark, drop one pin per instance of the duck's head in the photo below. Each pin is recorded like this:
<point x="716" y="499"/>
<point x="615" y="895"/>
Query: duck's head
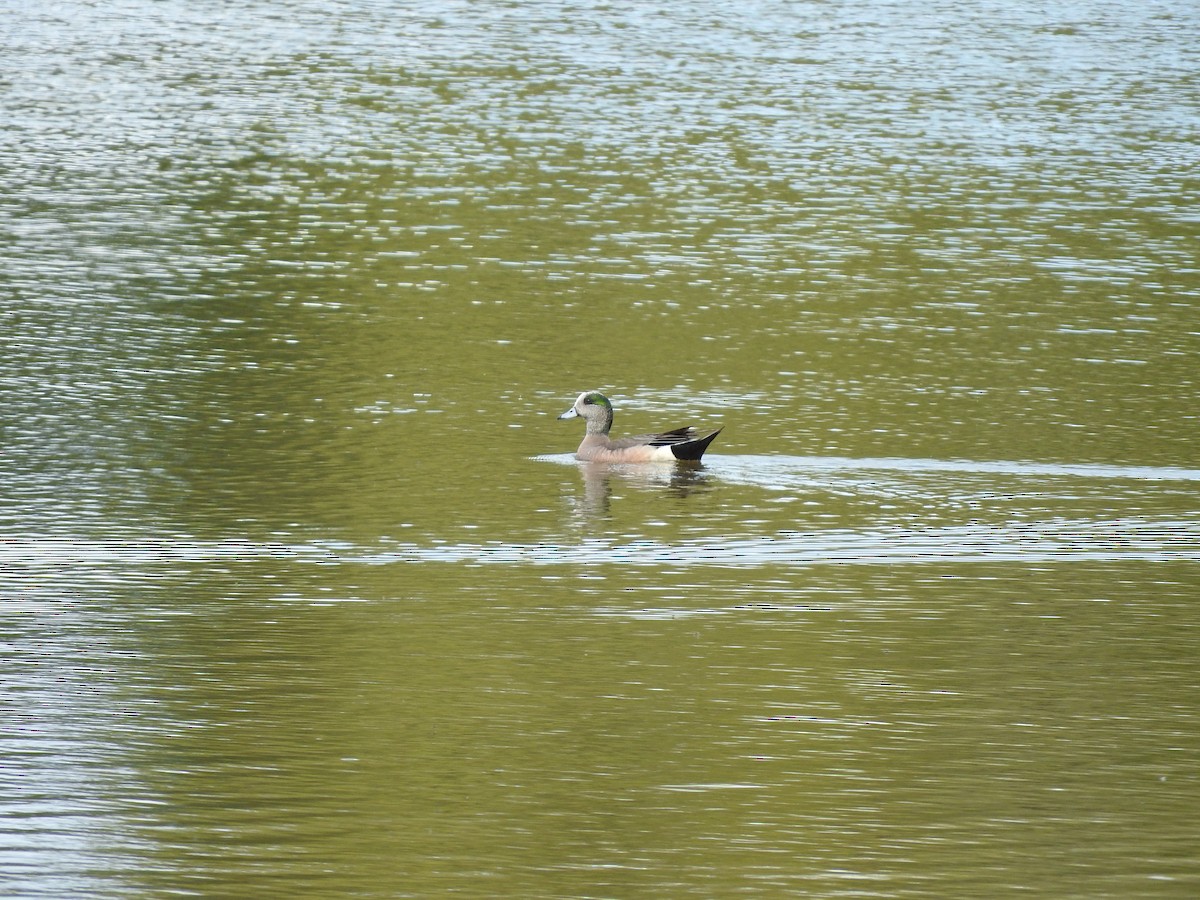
<point x="595" y="409"/>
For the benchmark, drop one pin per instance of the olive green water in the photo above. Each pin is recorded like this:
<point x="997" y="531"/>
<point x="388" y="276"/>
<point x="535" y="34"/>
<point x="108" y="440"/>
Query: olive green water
<point x="302" y="594"/>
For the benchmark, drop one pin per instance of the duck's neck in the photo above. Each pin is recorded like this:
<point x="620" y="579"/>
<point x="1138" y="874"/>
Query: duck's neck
<point x="600" y="424"/>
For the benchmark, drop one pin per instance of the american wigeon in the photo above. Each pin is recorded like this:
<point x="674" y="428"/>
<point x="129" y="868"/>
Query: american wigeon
<point x="597" y="446"/>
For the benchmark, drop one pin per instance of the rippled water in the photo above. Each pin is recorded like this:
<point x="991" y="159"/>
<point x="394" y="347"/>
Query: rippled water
<point x="303" y="594"/>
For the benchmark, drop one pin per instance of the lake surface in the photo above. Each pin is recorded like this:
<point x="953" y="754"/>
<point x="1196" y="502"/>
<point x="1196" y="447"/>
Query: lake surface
<point x="303" y="594"/>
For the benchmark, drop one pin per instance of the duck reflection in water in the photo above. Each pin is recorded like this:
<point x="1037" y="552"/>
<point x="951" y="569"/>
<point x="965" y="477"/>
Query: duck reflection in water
<point x="599" y="479"/>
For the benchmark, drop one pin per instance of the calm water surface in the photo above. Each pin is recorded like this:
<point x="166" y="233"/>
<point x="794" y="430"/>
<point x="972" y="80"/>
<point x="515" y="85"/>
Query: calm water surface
<point x="303" y="595"/>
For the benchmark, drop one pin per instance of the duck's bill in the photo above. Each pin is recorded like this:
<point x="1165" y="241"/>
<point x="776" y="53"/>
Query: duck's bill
<point x="569" y="414"/>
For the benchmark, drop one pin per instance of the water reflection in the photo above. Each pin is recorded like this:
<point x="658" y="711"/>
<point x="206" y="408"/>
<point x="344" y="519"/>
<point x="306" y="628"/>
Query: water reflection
<point x="1126" y="538"/>
<point x="675" y="479"/>
<point x="571" y="722"/>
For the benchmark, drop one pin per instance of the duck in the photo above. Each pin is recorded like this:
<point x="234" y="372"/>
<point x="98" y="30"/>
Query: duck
<point x="681" y="444"/>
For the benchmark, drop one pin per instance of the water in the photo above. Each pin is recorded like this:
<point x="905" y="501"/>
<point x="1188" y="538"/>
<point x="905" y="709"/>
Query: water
<point x="303" y="594"/>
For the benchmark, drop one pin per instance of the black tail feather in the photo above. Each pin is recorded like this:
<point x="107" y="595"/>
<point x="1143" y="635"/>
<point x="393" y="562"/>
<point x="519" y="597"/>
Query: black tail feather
<point x="693" y="450"/>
